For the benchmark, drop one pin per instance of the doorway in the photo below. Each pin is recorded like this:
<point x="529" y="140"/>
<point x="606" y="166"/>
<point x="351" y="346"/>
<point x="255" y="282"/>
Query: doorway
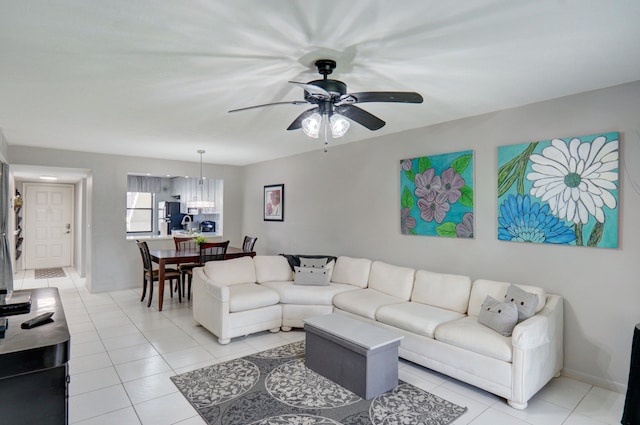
<point x="48" y="225"/>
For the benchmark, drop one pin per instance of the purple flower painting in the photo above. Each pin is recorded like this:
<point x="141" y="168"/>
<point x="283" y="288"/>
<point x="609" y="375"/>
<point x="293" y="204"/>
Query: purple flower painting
<point x="436" y="195"/>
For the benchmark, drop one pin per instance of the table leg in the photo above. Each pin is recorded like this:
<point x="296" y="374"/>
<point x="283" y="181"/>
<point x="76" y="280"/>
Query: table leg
<point x="160" y="284"/>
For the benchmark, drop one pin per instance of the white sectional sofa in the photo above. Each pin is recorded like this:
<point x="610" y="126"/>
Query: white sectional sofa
<point x="437" y="314"/>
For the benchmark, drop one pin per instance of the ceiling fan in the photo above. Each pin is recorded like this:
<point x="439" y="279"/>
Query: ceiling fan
<point x="333" y="104"/>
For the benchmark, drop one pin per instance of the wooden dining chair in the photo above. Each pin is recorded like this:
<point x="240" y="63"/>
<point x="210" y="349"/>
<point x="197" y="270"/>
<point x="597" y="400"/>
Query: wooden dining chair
<point x="184" y="244"/>
<point x="249" y="242"/>
<point x="149" y="275"/>
<point x="213" y="251"/>
<point x="209" y="251"/>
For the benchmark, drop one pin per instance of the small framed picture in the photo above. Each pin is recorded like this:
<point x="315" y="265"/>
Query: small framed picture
<point x="274" y="202"/>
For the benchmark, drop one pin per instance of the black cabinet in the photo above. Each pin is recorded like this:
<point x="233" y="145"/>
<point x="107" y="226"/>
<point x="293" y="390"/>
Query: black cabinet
<point x="34" y="365"/>
<point x="631" y="415"/>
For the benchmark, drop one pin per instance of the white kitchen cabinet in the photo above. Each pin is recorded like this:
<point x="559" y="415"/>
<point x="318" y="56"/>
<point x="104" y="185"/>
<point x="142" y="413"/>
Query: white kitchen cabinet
<point x="176" y="186"/>
<point x="188" y="189"/>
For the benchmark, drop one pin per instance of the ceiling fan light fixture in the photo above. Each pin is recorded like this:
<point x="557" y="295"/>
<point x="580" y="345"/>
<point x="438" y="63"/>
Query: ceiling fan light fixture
<point x="311" y="125"/>
<point x="329" y="96"/>
<point x="339" y="125"/>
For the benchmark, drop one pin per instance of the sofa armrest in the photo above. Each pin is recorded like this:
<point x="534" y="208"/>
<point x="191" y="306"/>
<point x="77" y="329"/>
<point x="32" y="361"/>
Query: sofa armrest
<point x="531" y="333"/>
<point x="211" y="304"/>
<point x="538" y="329"/>
<point x="216" y="289"/>
<point x="537" y="351"/>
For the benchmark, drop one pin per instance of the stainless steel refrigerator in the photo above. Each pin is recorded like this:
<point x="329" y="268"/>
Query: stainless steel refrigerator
<point x="169" y="215"/>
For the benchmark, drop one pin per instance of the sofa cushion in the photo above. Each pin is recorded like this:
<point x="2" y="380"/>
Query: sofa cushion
<point x="249" y="296"/>
<point x="391" y="280"/>
<point x="271" y="267"/>
<point x="467" y="333"/>
<point x="447" y="291"/>
<point x="364" y="302"/>
<point x="483" y="287"/>
<point x="231" y="272"/>
<point x="526" y="302"/>
<point x="352" y="271"/>
<point x="418" y="318"/>
<point x="307" y="295"/>
<point x="501" y="316"/>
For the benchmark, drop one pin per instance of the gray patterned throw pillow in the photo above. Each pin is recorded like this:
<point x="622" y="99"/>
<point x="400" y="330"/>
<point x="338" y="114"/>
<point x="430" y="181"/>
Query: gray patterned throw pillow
<point x="313" y="276"/>
<point x="313" y="262"/>
<point x="526" y="302"/>
<point x="502" y="317"/>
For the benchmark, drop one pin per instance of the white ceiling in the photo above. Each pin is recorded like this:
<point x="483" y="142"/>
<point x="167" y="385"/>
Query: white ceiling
<point x="156" y="78"/>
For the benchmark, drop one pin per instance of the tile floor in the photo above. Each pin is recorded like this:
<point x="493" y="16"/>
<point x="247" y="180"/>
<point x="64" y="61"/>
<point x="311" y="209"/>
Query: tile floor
<point x="123" y="353"/>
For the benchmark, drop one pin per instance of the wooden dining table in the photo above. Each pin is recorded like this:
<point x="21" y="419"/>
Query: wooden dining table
<point x="162" y="257"/>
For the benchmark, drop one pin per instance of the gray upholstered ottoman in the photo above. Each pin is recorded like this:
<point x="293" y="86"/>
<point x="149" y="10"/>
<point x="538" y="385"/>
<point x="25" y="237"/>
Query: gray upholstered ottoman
<point x="361" y="357"/>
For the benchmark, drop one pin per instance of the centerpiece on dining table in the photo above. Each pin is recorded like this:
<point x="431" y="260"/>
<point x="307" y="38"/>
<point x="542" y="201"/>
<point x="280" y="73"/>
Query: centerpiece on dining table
<point x="199" y="239"/>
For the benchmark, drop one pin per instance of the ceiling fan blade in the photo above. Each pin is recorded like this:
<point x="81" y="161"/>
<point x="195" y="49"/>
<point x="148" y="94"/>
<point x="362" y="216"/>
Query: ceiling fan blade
<point x="382" y="96"/>
<point x="293" y="102"/>
<point x="360" y="116"/>
<point x="313" y="90"/>
<point x="297" y="123"/>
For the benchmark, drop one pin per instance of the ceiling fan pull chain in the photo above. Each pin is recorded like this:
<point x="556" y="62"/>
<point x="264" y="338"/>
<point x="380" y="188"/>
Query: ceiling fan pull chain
<point x="325" y="130"/>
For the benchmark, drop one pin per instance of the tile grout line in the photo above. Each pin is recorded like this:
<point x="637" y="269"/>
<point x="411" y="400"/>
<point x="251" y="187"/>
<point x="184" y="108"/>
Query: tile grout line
<point x="70" y="334"/>
<point x="121" y="384"/>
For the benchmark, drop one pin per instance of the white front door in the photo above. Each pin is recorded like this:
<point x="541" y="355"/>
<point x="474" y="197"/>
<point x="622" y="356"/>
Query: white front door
<point x="47" y="225"/>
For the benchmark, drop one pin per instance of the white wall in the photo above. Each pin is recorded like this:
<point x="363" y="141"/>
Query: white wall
<point x="112" y="262"/>
<point x="4" y="147"/>
<point x="80" y="237"/>
<point x="346" y="202"/>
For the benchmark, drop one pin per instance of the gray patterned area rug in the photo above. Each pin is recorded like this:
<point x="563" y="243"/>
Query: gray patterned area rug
<point x="49" y="273"/>
<point x="274" y="387"/>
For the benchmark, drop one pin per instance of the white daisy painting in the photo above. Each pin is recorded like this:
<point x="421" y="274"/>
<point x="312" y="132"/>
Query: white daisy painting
<point x="560" y="191"/>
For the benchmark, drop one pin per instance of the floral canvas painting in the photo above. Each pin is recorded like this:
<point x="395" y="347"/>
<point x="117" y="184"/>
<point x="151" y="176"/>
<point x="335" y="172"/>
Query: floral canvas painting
<point x="560" y="191"/>
<point x="274" y="202"/>
<point x="436" y="195"/>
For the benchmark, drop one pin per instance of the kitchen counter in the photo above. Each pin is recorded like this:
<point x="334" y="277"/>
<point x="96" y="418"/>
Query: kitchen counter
<point x="179" y="233"/>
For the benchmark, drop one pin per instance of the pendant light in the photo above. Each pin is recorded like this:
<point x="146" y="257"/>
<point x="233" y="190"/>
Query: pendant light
<point x="201" y="203"/>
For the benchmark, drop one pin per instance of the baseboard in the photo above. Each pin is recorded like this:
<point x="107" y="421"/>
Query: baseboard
<point x="593" y="380"/>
